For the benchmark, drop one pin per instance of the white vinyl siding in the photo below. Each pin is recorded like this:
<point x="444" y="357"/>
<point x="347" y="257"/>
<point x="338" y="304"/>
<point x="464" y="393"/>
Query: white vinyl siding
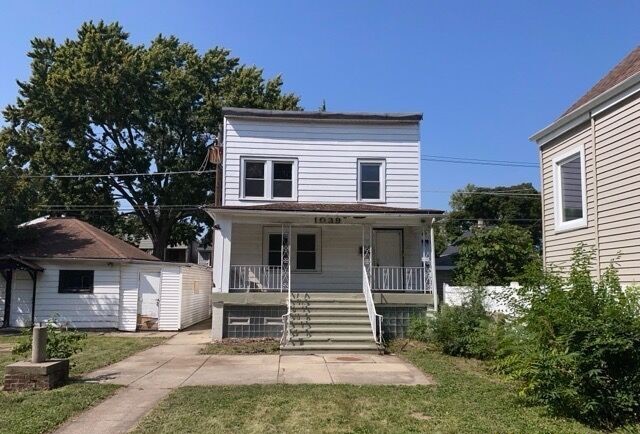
<point x="327" y="155"/>
<point x="340" y="259"/>
<point x="195" y="303"/>
<point x="170" y="298"/>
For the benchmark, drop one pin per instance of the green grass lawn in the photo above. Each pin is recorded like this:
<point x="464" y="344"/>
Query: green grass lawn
<point x="243" y="346"/>
<point x="467" y="398"/>
<point x="40" y="412"/>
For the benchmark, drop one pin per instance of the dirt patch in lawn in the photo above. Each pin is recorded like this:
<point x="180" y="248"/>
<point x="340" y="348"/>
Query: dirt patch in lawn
<point x="242" y="346"/>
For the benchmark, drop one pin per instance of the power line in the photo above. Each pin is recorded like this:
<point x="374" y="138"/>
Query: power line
<point x="448" y="157"/>
<point x="486" y="193"/>
<point x="115" y="175"/>
<point x="479" y="163"/>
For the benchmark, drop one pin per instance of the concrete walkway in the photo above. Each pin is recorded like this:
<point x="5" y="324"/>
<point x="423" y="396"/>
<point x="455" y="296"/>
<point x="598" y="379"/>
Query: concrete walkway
<point x="151" y="374"/>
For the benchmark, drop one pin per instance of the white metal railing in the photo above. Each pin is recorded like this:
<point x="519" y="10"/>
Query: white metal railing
<point x="374" y="318"/>
<point x="264" y="278"/>
<point x="399" y="279"/>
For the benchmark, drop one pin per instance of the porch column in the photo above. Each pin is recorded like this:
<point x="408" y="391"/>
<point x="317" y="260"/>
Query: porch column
<point x="222" y="254"/>
<point x="367" y="252"/>
<point x="285" y="259"/>
<point x="428" y="261"/>
<point x="221" y="271"/>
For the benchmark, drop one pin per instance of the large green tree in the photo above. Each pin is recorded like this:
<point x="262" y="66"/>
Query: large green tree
<point x="517" y="204"/>
<point x="494" y="256"/>
<point x="100" y="104"/>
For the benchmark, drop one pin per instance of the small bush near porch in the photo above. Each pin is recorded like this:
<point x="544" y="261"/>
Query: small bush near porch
<point x="467" y="398"/>
<point x="40" y="412"/>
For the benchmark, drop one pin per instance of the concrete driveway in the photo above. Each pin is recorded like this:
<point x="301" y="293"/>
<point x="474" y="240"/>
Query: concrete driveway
<point x="151" y="374"/>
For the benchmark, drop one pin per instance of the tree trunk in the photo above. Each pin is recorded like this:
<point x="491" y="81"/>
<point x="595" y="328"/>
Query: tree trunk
<point x="160" y="239"/>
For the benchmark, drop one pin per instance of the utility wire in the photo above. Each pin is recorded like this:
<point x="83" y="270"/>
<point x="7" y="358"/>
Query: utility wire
<point x="116" y="175"/>
<point x="527" y="163"/>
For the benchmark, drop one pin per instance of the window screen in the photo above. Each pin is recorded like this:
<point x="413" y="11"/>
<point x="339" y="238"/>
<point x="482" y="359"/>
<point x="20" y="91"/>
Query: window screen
<point x="75" y="281"/>
<point x="306" y="252"/>
<point x="254" y="178"/>
<point x="370" y="180"/>
<point x="282" y="179"/>
<point x="275" y="242"/>
<point x="571" y="188"/>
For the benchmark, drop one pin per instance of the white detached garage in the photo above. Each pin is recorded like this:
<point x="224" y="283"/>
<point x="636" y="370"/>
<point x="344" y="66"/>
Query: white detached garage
<point x="89" y="279"/>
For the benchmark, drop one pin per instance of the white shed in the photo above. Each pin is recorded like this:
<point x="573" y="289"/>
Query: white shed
<point x="87" y="278"/>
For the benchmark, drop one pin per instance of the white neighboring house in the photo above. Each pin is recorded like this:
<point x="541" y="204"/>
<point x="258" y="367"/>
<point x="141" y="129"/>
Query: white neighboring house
<point x="320" y="236"/>
<point x="89" y="279"/>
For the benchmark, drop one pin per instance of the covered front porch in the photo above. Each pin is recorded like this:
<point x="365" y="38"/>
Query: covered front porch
<point x="267" y="261"/>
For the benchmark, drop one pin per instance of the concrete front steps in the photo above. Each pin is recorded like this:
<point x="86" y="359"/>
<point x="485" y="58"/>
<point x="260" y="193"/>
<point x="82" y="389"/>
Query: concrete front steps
<point x="329" y="323"/>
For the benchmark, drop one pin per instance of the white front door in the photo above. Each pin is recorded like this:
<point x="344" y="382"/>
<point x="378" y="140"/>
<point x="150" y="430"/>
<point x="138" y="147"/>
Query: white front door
<point x="149" y="294"/>
<point x="387" y="248"/>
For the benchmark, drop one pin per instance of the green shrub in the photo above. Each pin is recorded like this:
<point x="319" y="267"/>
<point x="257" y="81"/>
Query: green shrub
<point x="577" y="349"/>
<point x="61" y="342"/>
<point x="466" y="330"/>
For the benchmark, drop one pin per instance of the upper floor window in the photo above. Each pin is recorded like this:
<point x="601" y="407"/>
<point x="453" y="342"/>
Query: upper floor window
<point x="371" y="180"/>
<point x="569" y="190"/>
<point x="268" y="179"/>
<point x="75" y="281"/>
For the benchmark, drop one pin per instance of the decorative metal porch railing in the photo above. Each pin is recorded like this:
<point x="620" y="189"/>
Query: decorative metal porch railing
<point x="410" y="279"/>
<point x="375" y="319"/>
<point x="257" y="278"/>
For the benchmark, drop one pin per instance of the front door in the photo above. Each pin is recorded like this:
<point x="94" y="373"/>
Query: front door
<point x="148" y="300"/>
<point x="387" y="248"/>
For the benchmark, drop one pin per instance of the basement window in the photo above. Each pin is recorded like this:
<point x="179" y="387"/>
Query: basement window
<point x="75" y="282"/>
<point x="569" y="187"/>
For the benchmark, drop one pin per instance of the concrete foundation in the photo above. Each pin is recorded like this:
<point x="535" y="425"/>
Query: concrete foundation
<point x="22" y="376"/>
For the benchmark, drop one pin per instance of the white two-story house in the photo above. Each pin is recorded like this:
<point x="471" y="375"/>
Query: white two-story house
<point x="320" y="238"/>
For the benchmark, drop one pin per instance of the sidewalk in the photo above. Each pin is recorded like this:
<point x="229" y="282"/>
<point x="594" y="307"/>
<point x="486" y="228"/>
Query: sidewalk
<point x="151" y="374"/>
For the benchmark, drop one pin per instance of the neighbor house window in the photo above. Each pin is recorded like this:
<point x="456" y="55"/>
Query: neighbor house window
<point x="371" y="181"/>
<point x="269" y="179"/>
<point x="75" y="281"/>
<point x="254" y="178"/>
<point x="569" y="190"/>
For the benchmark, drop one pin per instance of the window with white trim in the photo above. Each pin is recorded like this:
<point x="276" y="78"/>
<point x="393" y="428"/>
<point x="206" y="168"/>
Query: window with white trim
<point x="371" y="180"/>
<point x="268" y="179"/>
<point x="570" y="190"/>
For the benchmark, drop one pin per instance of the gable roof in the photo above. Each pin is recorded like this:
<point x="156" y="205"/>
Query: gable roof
<point x="320" y="115"/>
<point x="70" y="238"/>
<point x="620" y="83"/>
<point x="628" y="67"/>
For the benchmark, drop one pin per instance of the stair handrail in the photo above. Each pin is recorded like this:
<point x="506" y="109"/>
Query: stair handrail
<point x="375" y="320"/>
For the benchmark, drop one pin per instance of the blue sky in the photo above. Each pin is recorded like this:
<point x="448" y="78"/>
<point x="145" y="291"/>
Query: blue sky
<point x="486" y="74"/>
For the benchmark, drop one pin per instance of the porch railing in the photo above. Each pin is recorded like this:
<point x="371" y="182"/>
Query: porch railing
<point x="258" y="278"/>
<point x="375" y="319"/>
<point x="411" y="279"/>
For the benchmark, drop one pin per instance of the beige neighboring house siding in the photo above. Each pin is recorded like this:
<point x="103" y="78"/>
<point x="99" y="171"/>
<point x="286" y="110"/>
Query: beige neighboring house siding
<point x="617" y="133"/>
<point x="615" y="209"/>
<point x="558" y="245"/>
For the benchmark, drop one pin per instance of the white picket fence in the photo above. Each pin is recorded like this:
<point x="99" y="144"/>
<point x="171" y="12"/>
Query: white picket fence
<point x="495" y="300"/>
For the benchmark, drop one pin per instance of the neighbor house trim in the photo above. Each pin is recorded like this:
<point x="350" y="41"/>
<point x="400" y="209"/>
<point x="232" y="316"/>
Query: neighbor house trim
<point x="560" y="225"/>
<point x="600" y="103"/>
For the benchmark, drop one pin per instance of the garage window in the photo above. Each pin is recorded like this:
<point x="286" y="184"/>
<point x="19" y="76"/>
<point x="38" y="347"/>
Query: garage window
<point x="75" y="281"/>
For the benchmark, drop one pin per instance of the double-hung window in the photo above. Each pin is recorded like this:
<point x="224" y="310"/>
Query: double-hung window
<point x="371" y="180"/>
<point x="269" y="179"/>
<point x="569" y="190"/>
<point x="254" y="178"/>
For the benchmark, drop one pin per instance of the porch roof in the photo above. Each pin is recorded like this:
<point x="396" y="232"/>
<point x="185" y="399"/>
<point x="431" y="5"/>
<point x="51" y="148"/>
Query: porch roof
<point x="328" y="208"/>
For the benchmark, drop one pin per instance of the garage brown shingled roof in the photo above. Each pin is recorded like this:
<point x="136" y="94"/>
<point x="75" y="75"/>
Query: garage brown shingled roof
<point x="70" y="238"/>
<point x="628" y="67"/>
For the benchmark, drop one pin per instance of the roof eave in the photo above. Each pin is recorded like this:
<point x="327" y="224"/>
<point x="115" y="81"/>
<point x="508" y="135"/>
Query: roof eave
<point x="411" y="117"/>
<point x="584" y="112"/>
